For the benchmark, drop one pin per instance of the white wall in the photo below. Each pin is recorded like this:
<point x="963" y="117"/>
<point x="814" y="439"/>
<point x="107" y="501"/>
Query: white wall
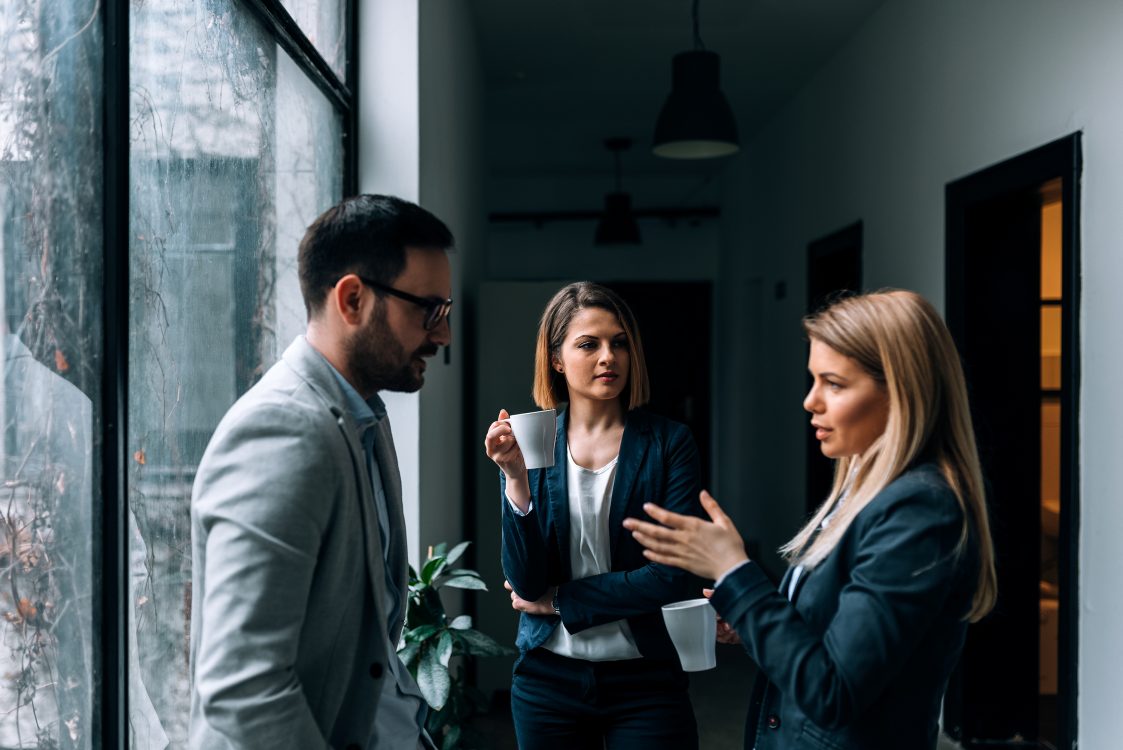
<point x="925" y="93"/>
<point x="389" y="163"/>
<point x="451" y="93"/>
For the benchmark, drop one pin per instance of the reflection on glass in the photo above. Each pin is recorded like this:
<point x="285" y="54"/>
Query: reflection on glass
<point x="50" y="342"/>
<point x="233" y="153"/>
<point x="322" y="21"/>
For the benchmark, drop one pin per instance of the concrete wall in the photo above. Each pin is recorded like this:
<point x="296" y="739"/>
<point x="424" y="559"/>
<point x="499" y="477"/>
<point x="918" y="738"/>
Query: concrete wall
<point x="451" y="95"/>
<point x="419" y="131"/>
<point x="389" y="163"/>
<point x="926" y="93"/>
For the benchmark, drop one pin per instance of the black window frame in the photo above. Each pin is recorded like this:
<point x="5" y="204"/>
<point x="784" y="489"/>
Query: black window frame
<point x="110" y="722"/>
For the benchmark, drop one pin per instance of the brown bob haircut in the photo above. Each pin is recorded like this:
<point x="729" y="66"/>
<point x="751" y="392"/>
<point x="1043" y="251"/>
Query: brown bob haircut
<point x="550" y="388"/>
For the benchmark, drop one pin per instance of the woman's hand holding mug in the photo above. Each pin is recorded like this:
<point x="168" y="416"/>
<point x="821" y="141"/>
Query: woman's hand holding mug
<point x="502" y="448"/>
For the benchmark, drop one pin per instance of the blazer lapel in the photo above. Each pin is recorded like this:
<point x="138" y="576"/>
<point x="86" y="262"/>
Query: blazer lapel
<point x="311" y="366"/>
<point x="786" y="581"/>
<point x="557" y="493"/>
<point x="367" y="514"/>
<point x="397" y="557"/>
<point x="633" y="449"/>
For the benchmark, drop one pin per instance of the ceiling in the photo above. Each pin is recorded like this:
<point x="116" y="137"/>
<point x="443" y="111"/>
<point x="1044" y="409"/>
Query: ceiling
<point x="562" y="76"/>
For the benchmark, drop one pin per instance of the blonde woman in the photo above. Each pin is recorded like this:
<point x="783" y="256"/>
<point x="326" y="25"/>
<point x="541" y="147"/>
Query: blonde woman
<point x="856" y="647"/>
<point x="596" y="668"/>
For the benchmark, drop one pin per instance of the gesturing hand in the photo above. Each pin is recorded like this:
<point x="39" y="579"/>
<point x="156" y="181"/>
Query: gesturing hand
<point x="705" y="548"/>
<point x="543" y="606"/>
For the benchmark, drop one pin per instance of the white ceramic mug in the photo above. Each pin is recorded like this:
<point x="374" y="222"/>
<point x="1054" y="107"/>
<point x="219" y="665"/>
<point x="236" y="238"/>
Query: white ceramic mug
<point x="692" y="625"/>
<point x="536" y="433"/>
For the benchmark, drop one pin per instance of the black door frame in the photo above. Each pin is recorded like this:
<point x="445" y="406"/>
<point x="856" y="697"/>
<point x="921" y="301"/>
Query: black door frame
<point x="1060" y="158"/>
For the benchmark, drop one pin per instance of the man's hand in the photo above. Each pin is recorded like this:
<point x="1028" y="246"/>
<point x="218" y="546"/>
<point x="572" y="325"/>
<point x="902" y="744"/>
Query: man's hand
<point x="543" y="606"/>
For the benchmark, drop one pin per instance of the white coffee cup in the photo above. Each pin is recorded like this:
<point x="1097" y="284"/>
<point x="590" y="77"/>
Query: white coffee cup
<point x="536" y="433"/>
<point x="692" y="625"/>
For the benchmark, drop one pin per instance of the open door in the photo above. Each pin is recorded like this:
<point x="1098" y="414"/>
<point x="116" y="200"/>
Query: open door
<point x="1012" y="297"/>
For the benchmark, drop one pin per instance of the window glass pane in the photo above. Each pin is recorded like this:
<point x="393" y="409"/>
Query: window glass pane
<point x="234" y="152"/>
<point x="50" y="339"/>
<point x="322" y="21"/>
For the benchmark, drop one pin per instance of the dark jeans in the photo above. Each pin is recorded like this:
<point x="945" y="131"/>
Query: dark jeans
<point x="572" y="704"/>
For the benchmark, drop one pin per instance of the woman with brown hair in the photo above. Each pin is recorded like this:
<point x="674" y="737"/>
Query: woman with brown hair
<point x="856" y="647"/>
<point x="596" y="667"/>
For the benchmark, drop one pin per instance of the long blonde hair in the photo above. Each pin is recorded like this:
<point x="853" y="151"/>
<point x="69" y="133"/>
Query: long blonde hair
<point x="899" y="340"/>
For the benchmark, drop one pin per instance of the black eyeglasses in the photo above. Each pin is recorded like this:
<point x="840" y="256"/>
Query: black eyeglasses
<point x="436" y="309"/>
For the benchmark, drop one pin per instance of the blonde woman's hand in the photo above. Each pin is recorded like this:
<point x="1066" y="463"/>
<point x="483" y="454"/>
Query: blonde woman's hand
<point x="705" y="548"/>
<point x="725" y="631"/>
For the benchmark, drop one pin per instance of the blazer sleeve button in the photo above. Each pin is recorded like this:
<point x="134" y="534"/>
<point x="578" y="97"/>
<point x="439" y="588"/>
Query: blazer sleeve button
<point x="376" y="670"/>
<point x="773" y="721"/>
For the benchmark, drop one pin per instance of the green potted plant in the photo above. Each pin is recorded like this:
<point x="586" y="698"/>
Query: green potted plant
<point x="430" y="639"/>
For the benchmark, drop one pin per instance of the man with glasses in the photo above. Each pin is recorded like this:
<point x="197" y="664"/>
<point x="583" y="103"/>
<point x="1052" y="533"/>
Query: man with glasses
<point x="298" y="536"/>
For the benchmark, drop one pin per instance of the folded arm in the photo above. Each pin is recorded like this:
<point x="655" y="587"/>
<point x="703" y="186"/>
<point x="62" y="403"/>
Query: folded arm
<point x="587" y="602"/>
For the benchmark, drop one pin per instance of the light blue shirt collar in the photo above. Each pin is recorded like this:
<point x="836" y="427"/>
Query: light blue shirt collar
<point x="365" y="412"/>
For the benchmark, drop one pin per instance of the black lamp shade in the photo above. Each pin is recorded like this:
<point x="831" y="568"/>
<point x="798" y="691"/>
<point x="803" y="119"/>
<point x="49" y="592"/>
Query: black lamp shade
<point x="617" y="226"/>
<point x="696" y="121"/>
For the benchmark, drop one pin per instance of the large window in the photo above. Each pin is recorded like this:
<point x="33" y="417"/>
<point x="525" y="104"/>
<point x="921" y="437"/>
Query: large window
<point x="51" y="254"/>
<point x="238" y="122"/>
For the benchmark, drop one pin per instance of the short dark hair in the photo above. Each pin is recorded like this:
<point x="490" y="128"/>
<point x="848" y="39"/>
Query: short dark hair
<point x="367" y="235"/>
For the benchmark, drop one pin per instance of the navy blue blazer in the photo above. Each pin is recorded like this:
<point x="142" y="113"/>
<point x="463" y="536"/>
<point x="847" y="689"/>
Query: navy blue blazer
<point x="861" y="658"/>
<point x="658" y="463"/>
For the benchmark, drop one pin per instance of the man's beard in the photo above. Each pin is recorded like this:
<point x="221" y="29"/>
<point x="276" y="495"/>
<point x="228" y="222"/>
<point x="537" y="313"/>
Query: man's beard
<point x="378" y="362"/>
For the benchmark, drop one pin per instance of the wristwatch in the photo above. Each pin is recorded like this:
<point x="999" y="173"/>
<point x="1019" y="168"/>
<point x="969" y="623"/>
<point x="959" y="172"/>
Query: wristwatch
<point x="554" y="603"/>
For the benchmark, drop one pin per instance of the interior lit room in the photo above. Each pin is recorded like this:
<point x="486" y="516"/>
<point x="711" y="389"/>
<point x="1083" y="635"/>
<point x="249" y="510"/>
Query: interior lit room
<point x="725" y="167"/>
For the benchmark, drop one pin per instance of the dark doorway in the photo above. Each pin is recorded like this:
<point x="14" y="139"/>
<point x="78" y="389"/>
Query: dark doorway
<point x="674" y="320"/>
<point x="1012" y="296"/>
<point x="834" y="267"/>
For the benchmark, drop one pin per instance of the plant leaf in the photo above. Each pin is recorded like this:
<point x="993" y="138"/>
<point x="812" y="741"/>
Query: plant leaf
<point x="463" y="572"/>
<point x="477" y="644"/>
<point x="462" y="622"/>
<point x="444" y="648"/>
<point x="439" y="550"/>
<point x="422" y="632"/>
<point x="465" y="582"/>
<point x="408" y="654"/>
<point x="456" y="552"/>
<point x="432" y="569"/>
<point x="433" y="679"/>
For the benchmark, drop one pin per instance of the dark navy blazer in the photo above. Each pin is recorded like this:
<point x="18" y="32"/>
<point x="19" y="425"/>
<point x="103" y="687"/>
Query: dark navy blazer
<point x="862" y="658"/>
<point x="658" y="462"/>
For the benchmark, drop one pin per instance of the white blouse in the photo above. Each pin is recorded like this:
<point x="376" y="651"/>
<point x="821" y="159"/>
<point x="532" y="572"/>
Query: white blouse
<point x="590" y="493"/>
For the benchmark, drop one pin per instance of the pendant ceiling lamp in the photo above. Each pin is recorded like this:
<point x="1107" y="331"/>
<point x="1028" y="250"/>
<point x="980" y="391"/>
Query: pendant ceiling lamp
<point x="617" y="225"/>
<point x="696" y="121"/>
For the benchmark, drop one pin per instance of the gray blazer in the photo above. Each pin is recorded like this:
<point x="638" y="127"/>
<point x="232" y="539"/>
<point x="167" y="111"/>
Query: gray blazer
<point x="288" y="631"/>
